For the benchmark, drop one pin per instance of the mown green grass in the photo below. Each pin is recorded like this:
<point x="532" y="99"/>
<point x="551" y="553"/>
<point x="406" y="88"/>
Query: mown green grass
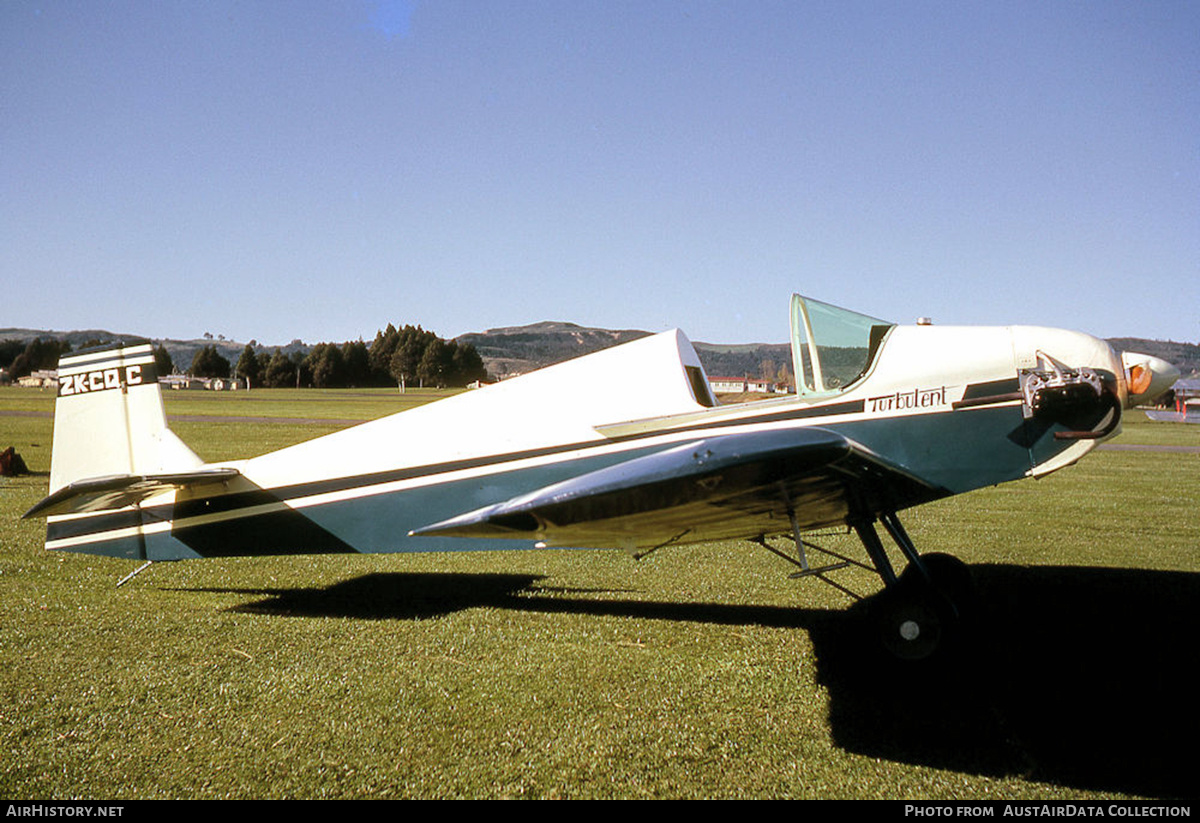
<point x="1138" y="429"/>
<point x="696" y="672"/>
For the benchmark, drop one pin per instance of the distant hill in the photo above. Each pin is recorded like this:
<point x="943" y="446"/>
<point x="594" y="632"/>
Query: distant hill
<point x="75" y="338"/>
<point x="520" y="349"/>
<point x="743" y="360"/>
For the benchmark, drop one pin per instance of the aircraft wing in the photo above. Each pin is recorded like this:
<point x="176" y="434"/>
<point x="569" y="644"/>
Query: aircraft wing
<point x="120" y="490"/>
<point x="721" y="487"/>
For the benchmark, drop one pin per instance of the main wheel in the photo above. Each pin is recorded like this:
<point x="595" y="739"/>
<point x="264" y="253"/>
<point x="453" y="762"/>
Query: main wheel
<point x="917" y="618"/>
<point x="912" y="620"/>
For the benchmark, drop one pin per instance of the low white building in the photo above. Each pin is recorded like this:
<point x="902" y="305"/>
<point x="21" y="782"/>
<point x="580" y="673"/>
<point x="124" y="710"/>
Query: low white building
<point x="186" y="381"/>
<point x="739" y="385"/>
<point x="727" y="385"/>
<point x="45" y="379"/>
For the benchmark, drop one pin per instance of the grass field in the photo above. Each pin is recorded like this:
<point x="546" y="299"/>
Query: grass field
<point x="696" y="672"/>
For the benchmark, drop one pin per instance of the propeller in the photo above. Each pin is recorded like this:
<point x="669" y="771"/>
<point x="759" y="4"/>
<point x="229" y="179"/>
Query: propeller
<point x="1147" y="377"/>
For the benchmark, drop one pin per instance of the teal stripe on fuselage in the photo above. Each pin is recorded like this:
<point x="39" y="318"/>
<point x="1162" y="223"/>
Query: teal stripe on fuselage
<point x="958" y="451"/>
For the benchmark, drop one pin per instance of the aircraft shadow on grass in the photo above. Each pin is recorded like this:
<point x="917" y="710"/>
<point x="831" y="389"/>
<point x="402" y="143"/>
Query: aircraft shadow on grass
<point x="1078" y="676"/>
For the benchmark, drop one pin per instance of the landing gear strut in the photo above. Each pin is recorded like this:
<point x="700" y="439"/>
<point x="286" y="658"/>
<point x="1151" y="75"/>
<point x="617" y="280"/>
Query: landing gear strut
<point x="920" y="612"/>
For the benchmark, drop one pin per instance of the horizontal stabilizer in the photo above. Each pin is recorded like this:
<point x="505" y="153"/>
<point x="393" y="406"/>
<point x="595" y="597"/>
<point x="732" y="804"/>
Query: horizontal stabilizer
<point x="118" y="491"/>
<point x="700" y="472"/>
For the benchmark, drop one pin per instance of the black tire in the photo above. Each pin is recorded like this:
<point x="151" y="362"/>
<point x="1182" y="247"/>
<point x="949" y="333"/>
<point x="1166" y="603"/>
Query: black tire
<point x="912" y="620"/>
<point x="918" y="619"/>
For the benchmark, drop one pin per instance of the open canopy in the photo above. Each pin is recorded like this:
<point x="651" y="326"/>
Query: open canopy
<point x="832" y="348"/>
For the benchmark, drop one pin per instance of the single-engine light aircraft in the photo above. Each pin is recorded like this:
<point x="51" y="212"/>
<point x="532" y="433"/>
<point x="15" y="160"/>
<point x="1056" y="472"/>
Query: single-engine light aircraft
<point x="623" y="448"/>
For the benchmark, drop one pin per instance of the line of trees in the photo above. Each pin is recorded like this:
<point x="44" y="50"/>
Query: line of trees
<point x="408" y="356"/>
<point x="21" y="359"/>
<point x="405" y="357"/>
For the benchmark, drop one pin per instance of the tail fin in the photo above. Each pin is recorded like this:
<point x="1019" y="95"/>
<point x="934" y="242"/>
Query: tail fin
<point x="109" y="419"/>
<point x="113" y="450"/>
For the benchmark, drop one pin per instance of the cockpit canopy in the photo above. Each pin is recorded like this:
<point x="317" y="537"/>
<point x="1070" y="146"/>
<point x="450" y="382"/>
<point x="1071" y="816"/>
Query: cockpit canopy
<point x="832" y="348"/>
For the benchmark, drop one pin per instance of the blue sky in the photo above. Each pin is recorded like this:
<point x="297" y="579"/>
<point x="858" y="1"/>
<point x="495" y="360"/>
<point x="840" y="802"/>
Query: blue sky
<point x="273" y="170"/>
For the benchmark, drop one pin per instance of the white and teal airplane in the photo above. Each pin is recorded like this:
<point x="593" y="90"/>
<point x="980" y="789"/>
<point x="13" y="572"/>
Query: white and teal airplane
<point x="624" y="448"/>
